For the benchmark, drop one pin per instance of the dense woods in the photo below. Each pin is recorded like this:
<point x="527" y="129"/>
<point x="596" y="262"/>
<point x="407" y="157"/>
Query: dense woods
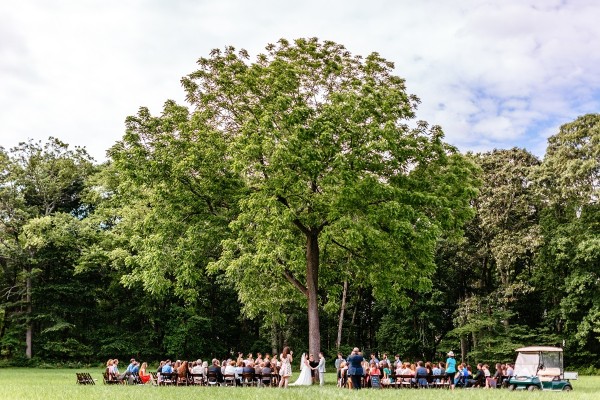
<point x="295" y="201"/>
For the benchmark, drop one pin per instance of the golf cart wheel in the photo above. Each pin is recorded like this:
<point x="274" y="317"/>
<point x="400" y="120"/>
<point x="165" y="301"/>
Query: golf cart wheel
<point x="531" y="388"/>
<point x="567" y="388"/>
<point x="512" y="387"/>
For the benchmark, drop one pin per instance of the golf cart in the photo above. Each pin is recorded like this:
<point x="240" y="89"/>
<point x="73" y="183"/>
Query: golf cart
<point x="540" y="368"/>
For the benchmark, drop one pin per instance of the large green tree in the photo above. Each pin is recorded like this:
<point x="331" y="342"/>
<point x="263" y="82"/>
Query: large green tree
<point x="321" y="140"/>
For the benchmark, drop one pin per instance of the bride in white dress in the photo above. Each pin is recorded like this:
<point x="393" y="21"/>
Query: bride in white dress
<point x="305" y="378"/>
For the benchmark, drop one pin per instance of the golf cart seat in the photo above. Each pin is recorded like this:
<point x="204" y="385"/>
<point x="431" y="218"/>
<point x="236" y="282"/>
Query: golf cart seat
<point x="548" y="374"/>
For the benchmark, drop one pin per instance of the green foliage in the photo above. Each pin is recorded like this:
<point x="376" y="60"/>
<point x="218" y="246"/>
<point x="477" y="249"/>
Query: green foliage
<point x="213" y="230"/>
<point x="320" y="139"/>
<point x="569" y="178"/>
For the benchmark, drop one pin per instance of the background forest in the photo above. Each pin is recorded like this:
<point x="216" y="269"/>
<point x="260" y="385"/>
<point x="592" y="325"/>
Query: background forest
<point x="178" y="246"/>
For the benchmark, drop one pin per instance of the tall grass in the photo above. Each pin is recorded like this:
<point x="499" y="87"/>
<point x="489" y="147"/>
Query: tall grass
<point x="59" y="384"/>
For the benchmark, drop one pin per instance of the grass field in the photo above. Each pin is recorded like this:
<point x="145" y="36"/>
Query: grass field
<point x="60" y="384"/>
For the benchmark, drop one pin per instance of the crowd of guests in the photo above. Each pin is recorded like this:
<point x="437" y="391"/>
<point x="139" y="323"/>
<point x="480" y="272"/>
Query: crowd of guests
<point x="271" y="370"/>
<point x="133" y="374"/>
<point x="415" y="374"/>
<point x="263" y="367"/>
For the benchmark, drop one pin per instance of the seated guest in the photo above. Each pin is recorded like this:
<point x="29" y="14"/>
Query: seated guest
<point x="266" y="369"/>
<point x="373" y="371"/>
<point x="215" y="368"/>
<point x="230" y="369"/>
<point x="258" y="359"/>
<point x="109" y="370"/>
<point x="167" y="368"/>
<point x="197" y="367"/>
<point x="399" y="369"/>
<point x="429" y="368"/>
<point x="248" y="369"/>
<point x="407" y="371"/>
<point x="198" y="371"/>
<point x="478" y="380"/>
<point x="266" y="373"/>
<point x="498" y="376"/>
<point x="421" y="373"/>
<point x="131" y="371"/>
<point x="386" y="380"/>
<point x="115" y="370"/>
<point x="160" y="367"/>
<point x="462" y="377"/>
<point x="115" y="367"/>
<point x="145" y="376"/>
<point x="486" y="370"/>
<point x="510" y="371"/>
<point x="258" y="367"/>
<point x="239" y="370"/>
<point x="182" y="372"/>
<point x="343" y="374"/>
<point x="438" y="370"/>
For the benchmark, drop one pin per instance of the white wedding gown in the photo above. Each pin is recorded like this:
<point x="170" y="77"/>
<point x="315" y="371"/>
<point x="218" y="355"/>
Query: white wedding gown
<point x="305" y="378"/>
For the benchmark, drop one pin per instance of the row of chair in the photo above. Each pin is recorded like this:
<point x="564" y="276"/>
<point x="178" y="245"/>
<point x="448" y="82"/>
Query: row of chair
<point x="403" y="381"/>
<point x="212" y="379"/>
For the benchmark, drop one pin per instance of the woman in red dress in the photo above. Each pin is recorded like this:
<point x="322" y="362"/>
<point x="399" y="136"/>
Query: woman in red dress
<point x="145" y="376"/>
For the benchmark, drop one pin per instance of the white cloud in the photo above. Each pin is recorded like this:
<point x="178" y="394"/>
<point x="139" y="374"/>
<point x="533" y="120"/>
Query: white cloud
<point x="492" y="74"/>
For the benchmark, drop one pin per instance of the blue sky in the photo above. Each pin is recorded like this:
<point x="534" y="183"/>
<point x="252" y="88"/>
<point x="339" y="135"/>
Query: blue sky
<point x="493" y="74"/>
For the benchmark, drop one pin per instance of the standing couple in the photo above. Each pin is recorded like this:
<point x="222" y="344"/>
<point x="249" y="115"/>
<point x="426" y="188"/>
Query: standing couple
<point x="306" y="371"/>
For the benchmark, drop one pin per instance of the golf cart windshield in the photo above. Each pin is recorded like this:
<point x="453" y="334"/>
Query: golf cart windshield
<point x="527" y="364"/>
<point x="552" y="360"/>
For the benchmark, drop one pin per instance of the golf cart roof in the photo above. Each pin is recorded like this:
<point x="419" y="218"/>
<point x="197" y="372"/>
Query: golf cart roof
<point x="535" y="349"/>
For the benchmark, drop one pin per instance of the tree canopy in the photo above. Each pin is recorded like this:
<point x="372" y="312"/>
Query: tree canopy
<point x="322" y="141"/>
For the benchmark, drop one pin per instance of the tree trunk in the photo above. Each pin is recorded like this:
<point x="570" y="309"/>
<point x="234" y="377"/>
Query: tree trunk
<point x="312" y="286"/>
<point x="463" y="348"/>
<point x="338" y="342"/>
<point x="274" y="338"/>
<point x="29" y="333"/>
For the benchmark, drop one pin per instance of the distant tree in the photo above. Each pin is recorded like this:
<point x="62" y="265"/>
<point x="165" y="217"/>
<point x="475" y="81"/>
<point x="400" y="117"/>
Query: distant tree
<point x="40" y="186"/>
<point x="163" y="204"/>
<point x="569" y="179"/>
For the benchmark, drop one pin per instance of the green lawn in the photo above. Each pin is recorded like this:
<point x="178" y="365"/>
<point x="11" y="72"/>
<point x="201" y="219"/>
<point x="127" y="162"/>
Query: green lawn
<point x="59" y="384"/>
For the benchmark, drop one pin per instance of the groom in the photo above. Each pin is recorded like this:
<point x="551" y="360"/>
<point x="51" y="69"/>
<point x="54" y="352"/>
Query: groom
<point x="321" y="369"/>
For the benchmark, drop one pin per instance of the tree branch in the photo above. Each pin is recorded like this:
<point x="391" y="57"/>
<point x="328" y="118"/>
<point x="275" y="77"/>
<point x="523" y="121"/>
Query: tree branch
<point x="296" y="221"/>
<point x="292" y="279"/>
<point x="348" y="249"/>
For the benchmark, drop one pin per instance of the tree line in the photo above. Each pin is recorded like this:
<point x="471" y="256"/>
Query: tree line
<point x="296" y="201"/>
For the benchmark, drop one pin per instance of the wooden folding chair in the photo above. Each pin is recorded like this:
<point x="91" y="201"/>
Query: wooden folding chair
<point x="229" y="380"/>
<point x="110" y="380"/>
<point x="212" y="379"/>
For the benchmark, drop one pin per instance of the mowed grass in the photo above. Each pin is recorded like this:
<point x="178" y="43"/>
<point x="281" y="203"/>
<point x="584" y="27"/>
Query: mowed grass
<point x="59" y="384"/>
